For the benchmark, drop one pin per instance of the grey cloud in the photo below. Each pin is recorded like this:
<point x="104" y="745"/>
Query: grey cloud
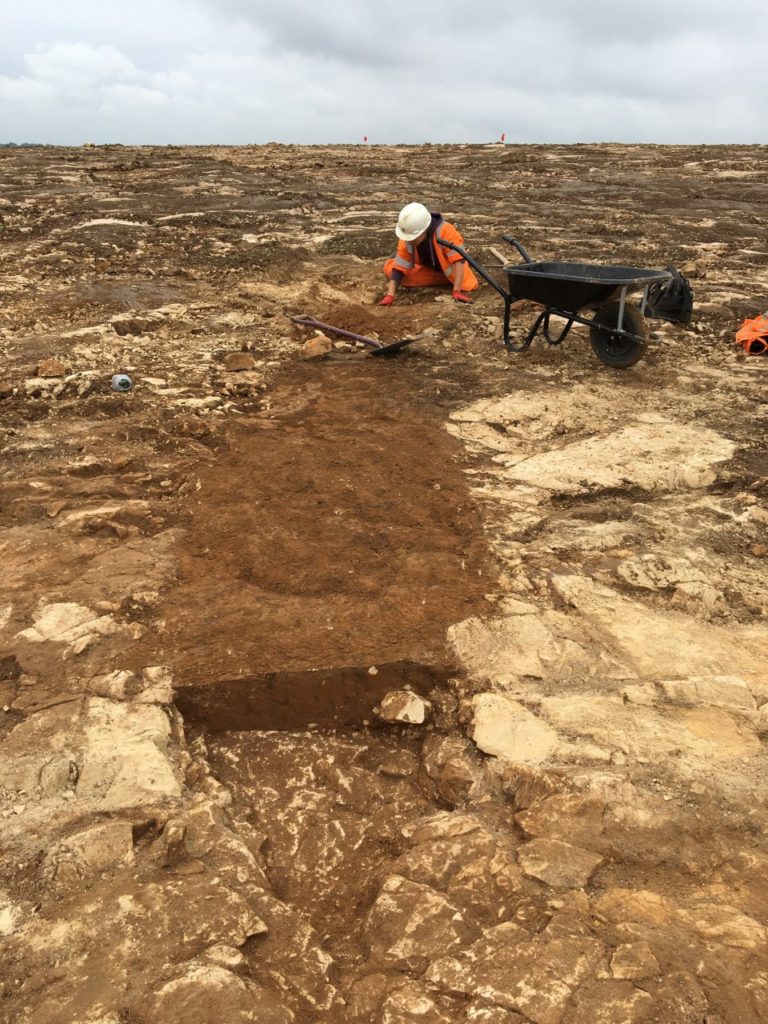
<point x="373" y="33"/>
<point x="360" y="33"/>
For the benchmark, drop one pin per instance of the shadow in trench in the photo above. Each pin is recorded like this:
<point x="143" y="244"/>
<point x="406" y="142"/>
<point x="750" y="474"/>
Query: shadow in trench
<point x="333" y="698"/>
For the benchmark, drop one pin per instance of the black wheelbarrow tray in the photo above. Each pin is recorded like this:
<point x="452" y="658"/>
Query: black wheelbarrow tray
<point x="618" y="332"/>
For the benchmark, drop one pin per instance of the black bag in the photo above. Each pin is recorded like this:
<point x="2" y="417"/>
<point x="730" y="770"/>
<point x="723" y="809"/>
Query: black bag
<point x="670" y="300"/>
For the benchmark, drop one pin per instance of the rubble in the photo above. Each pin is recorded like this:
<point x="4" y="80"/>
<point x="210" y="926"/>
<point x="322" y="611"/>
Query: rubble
<point x="317" y="347"/>
<point x="404" y="706"/>
<point x="237" y="362"/>
<point x="51" y="368"/>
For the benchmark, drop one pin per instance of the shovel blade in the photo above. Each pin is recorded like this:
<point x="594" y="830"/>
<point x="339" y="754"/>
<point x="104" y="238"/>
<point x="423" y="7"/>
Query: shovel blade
<point x="392" y="347"/>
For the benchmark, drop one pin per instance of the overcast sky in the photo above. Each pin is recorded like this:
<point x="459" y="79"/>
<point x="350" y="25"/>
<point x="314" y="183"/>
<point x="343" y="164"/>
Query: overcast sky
<point x="251" y="71"/>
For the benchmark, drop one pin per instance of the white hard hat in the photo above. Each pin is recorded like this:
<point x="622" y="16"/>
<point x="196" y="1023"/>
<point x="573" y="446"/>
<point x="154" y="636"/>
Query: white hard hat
<point x="414" y="218"/>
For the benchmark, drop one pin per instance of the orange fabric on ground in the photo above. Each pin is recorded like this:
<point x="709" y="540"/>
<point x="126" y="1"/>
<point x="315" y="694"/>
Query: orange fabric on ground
<point x="753" y="335"/>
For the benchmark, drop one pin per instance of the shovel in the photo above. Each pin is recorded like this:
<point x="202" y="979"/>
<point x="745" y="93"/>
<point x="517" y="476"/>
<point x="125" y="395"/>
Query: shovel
<point x="378" y="348"/>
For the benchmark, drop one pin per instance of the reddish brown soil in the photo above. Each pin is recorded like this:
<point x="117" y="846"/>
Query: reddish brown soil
<point x="306" y="549"/>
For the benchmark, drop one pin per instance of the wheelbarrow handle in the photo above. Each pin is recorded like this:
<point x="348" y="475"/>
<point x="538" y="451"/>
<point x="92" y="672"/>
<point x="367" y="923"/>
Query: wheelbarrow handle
<point x="475" y="266"/>
<point x="519" y="247"/>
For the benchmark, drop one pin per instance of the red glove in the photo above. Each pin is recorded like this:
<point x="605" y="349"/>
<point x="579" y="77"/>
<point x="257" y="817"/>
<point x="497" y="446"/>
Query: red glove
<point x="387" y="300"/>
<point x="461" y="297"/>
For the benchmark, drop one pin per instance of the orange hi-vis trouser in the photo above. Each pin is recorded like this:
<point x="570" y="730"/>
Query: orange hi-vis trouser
<point x="426" y="277"/>
<point x="416" y="277"/>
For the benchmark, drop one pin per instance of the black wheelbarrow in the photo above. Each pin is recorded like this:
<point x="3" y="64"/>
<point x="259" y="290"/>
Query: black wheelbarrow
<point x="617" y="331"/>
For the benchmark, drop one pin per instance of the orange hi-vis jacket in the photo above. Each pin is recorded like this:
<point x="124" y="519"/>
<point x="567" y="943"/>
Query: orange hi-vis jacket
<point x="416" y="275"/>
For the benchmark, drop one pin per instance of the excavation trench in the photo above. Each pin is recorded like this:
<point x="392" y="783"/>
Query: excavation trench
<point x="334" y="529"/>
<point x="327" y="809"/>
<point x="321" y="792"/>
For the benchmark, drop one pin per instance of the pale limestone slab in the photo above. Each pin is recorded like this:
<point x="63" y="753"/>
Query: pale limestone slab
<point x="558" y="864"/>
<point x="504" y="728"/>
<point x="656" y="456"/>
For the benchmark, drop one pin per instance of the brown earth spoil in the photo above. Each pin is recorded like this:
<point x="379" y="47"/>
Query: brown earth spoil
<point x="428" y="688"/>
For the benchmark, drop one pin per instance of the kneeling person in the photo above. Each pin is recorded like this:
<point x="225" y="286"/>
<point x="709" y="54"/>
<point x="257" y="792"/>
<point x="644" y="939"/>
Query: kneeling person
<point x="422" y="261"/>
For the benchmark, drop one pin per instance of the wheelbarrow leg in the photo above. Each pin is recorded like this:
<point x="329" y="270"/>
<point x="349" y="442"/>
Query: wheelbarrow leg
<point x="508" y="300"/>
<point x="562" y="335"/>
<point x="541" y="324"/>
<point x="507" y="309"/>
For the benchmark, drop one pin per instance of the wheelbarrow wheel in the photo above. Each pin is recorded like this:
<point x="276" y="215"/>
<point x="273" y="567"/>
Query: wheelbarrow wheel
<point x="616" y="349"/>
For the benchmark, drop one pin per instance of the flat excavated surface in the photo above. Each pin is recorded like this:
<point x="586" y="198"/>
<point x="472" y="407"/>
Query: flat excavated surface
<point x="334" y="529"/>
